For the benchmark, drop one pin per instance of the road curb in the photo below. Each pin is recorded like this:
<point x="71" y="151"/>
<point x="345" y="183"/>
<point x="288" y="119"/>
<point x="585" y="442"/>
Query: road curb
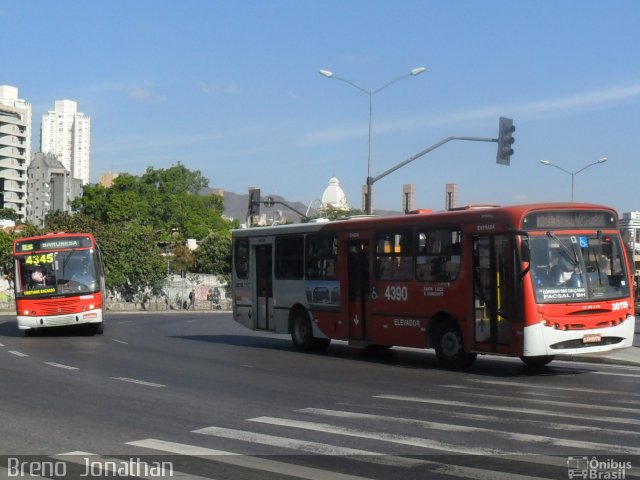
<point x="605" y="360"/>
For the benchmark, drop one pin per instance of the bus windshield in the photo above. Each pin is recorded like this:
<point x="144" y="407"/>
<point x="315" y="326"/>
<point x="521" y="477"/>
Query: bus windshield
<point x="71" y="271"/>
<point x="568" y="268"/>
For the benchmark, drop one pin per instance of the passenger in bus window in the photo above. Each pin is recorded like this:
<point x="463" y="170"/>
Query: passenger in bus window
<point x="38" y="277"/>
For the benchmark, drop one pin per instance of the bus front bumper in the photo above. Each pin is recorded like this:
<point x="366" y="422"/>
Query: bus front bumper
<point x="542" y="339"/>
<point x="29" y="322"/>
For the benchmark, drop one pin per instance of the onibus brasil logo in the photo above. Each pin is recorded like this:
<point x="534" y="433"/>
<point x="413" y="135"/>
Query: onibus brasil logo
<point x="594" y="468"/>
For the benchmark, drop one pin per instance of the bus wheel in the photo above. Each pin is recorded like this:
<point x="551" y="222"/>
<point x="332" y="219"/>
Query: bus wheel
<point x="537" y="362"/>
<point x="450" y="347"/>
<point x="301" y="332"/>
<point x="30" y="332"/>
<point x="98" y="328"/>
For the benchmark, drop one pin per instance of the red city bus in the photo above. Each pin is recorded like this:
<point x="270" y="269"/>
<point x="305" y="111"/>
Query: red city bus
<point x="531" y="281"/>
<point x="59" y="281"/>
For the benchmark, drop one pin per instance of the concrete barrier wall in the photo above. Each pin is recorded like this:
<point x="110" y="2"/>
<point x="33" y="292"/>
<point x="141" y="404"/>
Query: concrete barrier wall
<point x="151" y="306"/>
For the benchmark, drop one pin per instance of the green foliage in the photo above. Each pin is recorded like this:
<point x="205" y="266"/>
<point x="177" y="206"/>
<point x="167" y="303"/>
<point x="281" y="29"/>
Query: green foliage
<point x="6" y="247"/>
<point x="333" y="213"/>
<point x="165" y="199"/>
<point x="137" y="215"/>
<point x="8" y="214"/>
<point x="214" y="254"/>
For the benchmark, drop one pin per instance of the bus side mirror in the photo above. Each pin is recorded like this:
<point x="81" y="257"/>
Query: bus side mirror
<point x="525" y="253"/>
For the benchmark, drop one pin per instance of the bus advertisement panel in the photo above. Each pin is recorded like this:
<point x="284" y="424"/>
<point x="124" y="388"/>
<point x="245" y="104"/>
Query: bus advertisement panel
<point x="59" y="281"/>
<point x="532" y="281"/>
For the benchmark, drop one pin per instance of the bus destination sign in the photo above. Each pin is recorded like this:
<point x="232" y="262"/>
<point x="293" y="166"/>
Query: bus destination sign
<point x="53" y="244"/>
<point x="569" y="219"/>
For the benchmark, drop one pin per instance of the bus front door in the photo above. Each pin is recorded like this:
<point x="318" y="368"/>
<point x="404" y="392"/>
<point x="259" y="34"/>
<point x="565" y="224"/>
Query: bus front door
<point x="264" y="288"/>
<point x="358" y="287"/>
<point x="493" y="281"/>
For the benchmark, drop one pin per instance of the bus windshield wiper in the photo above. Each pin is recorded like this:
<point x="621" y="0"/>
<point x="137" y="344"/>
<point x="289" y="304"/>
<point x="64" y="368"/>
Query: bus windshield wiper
<point x="569" y="253"/>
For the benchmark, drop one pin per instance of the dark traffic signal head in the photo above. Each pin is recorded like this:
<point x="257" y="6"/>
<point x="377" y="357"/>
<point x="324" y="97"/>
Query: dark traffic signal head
<point x="505" y="140"/>
<point x="253" y="209"/>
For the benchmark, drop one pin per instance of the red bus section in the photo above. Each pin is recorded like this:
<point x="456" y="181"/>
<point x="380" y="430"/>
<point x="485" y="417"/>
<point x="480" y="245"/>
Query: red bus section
<point x="531" y="281"/>
<point x="59" y="281"/>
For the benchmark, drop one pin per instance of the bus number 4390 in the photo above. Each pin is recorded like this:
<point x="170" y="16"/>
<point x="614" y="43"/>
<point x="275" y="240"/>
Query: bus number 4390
<point x="396" y="293"/>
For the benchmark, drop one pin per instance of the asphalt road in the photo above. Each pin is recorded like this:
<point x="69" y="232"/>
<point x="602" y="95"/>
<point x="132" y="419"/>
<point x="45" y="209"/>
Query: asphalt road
<point x="214" y="400"/>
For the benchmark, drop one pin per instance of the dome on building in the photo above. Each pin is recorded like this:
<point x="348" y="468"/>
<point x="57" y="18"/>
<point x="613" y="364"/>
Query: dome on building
<point x="334" y="196"/>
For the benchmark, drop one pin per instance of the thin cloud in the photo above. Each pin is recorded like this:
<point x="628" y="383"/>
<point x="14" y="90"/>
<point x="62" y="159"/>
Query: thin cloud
<point x="541" y="108"/>
<point x="549" y="107"/>
<point x="145" y="95"/>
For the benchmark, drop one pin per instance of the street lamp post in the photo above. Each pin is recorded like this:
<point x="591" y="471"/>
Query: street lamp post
<point x="371" y="93"/>
<point x="573" y="174"/>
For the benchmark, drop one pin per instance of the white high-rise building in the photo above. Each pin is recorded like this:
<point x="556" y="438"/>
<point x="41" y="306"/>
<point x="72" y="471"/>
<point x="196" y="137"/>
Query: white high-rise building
<point x="66" y="133"/>
<point x="15" y="149"/>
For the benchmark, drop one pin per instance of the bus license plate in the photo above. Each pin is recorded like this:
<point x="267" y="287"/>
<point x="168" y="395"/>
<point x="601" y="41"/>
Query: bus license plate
<point x="592" y="338"/>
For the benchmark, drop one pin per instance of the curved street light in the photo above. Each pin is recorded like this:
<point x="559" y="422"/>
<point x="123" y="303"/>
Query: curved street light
<point x="371" y="93"/>
<point x="573" y="174"/>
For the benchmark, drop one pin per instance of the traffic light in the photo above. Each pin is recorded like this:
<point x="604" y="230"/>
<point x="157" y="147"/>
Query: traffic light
<point x="505" y="140"/>
<point x="254" y="204"/>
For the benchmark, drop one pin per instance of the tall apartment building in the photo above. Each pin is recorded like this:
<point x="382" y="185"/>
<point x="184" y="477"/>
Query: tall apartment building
<point x="66" y="133"/>
<point x="50" y="188"/>
<point x="630" y="228"/>
<point x="15" y="149"/>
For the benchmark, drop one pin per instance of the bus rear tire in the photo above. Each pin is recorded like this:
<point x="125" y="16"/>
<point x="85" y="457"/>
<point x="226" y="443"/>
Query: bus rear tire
<point x="537" y="362"/>
<point x="301" y="332"/>
<point x="450" y="347"/>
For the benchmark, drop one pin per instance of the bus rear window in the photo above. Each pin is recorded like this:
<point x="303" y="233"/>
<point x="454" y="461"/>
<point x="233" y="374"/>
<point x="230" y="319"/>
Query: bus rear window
<point x="241" y="258"/>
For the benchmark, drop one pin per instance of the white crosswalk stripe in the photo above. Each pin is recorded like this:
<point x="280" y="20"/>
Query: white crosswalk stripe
<point x="477" y="439"/>
<point x="310" y="447"/>
<point x="245" y="461"/>
<point x="520" y="437"/>
<point x="528" y="411"/>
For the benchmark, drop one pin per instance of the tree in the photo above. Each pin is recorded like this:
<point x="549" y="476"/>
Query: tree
<point x="9" y="214"/>
<point x="213" y="255"/>
<point x="166" y="199"/>
<point x="132" y="258"/>
<point x="137" y="216"/>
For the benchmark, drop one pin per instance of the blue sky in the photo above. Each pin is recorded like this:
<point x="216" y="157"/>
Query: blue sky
<point x="231" y="88"/>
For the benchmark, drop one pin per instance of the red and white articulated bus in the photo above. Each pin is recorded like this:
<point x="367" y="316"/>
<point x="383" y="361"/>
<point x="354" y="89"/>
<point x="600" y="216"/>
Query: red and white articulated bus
<point x="531" y="281"/>
<point x="59" y="281"/>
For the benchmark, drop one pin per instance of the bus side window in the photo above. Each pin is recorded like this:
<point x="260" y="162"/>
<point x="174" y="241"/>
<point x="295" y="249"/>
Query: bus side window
<point x="394" y="256"/>
<point x="289" y="257"/>
<point x="241" y="258"/>
<point x="439" y="254"/>
<point x="321" y="257"/>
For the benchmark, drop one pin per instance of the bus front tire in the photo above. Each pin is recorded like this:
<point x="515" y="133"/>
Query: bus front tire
<point x="98" y="328"/>
<point x="537" y="362"/>
<point x="450" y="347"/>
